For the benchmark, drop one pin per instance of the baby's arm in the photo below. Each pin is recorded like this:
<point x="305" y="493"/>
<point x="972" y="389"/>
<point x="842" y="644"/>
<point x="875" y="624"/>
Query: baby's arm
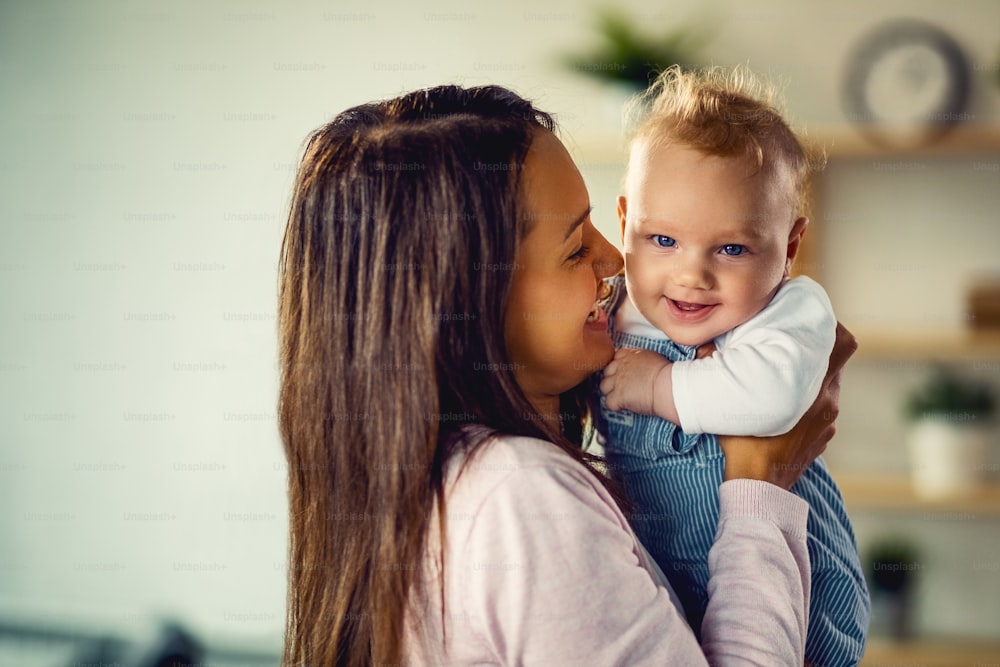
<point x="640" y="381"/>
<point x="767" y="371"/>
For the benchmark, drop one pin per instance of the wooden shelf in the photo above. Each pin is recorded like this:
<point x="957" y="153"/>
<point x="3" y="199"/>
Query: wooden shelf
<point x="933" y="652"/>
<point x="962" y="141"/>
<point x="942" y="345"/>
<point x="896" y="494"/>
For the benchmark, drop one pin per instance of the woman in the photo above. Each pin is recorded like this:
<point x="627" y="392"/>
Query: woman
<point x="439" y="322"/>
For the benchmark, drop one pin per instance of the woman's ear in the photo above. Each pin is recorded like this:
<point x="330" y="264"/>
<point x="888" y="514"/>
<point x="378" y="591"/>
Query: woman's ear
<point x="794" y="241"/>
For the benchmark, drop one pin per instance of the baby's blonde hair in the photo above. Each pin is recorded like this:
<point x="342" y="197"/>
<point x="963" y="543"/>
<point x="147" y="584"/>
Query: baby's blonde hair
<point x="727" y="113"/>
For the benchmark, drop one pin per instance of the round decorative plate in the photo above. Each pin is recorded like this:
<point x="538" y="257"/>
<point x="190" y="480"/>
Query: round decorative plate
<point x="907" y="84"/>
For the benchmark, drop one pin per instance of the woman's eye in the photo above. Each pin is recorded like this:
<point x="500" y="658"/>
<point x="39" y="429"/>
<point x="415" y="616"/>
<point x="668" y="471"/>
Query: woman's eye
<point x="664" y="241"/>
<point x="733" y="249"/>
<point x="581" y="253"/>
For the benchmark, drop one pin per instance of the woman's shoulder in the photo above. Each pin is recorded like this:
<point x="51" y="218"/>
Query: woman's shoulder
<point x="514" y="450"/>
<point x="520" y="469"/>
<point x="499" y="457"/>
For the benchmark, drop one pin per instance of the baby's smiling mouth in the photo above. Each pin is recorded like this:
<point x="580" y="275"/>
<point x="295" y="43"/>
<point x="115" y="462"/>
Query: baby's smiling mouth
<point x="689" y="307"/>
<point x="686" y="311"/>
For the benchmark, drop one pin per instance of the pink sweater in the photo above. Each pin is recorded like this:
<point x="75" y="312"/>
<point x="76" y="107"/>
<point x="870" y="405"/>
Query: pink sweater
<point x="542" y="568"/>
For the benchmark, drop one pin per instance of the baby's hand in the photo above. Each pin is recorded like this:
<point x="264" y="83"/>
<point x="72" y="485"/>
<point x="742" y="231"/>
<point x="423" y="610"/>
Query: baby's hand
<point x="629" y="380"/>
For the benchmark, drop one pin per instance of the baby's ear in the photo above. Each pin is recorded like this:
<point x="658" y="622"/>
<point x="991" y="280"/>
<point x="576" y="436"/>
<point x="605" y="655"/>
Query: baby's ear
<point x="794" y="241"/>
<point x="622" y="210"/>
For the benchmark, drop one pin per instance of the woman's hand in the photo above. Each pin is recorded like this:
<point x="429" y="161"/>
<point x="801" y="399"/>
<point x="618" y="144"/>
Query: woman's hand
<point x="782" y="459"/>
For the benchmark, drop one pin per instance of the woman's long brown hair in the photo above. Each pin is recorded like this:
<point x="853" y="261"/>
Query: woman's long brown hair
<point x="395" y="271"/>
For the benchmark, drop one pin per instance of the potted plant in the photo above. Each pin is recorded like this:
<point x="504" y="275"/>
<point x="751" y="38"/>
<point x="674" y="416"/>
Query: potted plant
<point x="628" y="57"/>
<point x="950" y="424"/>
<point x="892" y="567"/>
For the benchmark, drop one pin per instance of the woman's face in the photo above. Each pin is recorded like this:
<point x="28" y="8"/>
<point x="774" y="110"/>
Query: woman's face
<point x="556" y="335"/>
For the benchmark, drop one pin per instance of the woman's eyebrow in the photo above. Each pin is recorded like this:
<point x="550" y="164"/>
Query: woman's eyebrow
<point x="577" y="222"/>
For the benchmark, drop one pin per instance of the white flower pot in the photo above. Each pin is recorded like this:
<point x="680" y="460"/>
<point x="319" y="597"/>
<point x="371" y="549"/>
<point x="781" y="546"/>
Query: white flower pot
<point x="948" y="457"/>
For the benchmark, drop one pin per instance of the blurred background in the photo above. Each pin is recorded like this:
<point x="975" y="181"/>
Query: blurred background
<point x="147" y="155"/>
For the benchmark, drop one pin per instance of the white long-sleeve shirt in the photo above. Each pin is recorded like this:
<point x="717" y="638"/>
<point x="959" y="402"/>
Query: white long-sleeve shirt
<point x="542" y="568"/>
<point x="764" y="374"/>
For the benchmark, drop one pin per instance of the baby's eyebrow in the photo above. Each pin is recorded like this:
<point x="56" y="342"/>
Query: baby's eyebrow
<point x="749" y="229"/>
<point x="752" y="231"/>
<point x="646" y="220"/>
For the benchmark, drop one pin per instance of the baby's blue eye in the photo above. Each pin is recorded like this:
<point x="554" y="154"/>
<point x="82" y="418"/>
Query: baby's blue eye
<point x="664" y="241"/>
<point x="733" y="249"/>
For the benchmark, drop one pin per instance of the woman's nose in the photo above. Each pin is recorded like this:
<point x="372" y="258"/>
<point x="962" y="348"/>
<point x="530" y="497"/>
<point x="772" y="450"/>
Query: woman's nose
<point x="607" y="260"/>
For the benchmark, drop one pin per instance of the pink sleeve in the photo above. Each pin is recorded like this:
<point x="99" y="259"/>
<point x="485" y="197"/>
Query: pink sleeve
<point x="549" y="573"/>
<point x="759" y="586"/>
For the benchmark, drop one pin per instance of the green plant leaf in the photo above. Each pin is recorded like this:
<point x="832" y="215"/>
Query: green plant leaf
<point x="626" y="55"/>
<point x="947" y="394"/>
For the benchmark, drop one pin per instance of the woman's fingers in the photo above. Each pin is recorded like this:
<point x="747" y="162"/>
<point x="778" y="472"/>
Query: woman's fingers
<point x="782" y="459"/>
<point x="705" y="350"/>
<point x="844" y="346"/>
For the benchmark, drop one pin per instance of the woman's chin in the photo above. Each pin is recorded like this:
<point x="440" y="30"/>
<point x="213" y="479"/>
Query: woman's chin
<point x="599" y="355"/>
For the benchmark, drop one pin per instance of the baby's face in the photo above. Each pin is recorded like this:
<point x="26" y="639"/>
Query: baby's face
<point x="707" y="241"/>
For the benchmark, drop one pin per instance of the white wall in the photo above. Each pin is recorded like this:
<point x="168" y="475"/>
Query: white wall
<point x="147" y="153"/>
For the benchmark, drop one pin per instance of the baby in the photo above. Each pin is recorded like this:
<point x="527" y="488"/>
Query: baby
<point x="710" y="227"/>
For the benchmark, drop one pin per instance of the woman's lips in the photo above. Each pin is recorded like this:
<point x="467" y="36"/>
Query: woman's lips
<point x="598" y="320"/>
<point x="689" y="312"/>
